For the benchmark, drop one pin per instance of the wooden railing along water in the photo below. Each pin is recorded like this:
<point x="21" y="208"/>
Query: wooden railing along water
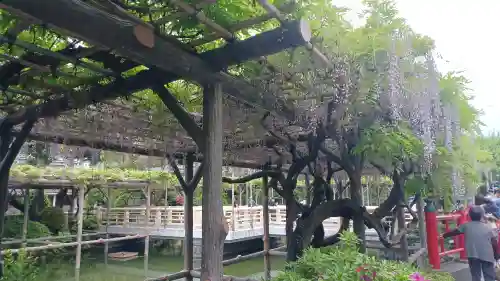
<point x="238" y="218"/>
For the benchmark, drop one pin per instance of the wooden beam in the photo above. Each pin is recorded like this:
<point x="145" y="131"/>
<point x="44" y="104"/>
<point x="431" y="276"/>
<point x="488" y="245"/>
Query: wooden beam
<point x="214" y="225"/>
<point x="290" y="34"/>
<point x="80" y="99"/>
<point x="101" y="28"/>
<point x="286" y="8"/>
<point x="102" y="145"/>
<point x="140" y="43"/>
<point x="126" y="87"/>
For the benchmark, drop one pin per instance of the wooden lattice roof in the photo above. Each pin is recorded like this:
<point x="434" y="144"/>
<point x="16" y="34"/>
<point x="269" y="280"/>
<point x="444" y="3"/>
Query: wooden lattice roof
<point x="104" y="50"/>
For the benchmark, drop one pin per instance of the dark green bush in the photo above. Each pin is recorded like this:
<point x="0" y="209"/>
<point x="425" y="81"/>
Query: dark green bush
<point x="89" y="223"/>
<point x="54" y="218"/>
<point x="344" y="262"/>
<point x="14" y="228"/>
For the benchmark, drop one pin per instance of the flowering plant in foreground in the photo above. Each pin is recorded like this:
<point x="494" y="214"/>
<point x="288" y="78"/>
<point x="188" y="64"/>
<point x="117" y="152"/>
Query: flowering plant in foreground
<point x="368" y="274"/>
<point x="344" y="262"/>
<point x="418" y="277"/>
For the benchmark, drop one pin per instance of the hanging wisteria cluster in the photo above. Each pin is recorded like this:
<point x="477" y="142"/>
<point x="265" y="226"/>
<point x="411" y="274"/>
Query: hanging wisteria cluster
<point x="415" y="102"/>
<point x="459" y="189"/>
<point x="395" y="93"/>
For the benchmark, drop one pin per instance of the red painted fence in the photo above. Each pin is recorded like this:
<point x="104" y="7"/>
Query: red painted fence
<point x="435" y="240"/>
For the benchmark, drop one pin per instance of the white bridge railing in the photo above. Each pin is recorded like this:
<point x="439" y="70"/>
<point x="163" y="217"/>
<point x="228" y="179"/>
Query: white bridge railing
<point x="238" y="218"/>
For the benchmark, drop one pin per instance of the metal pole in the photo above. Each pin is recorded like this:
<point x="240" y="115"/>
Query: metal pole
<point x="240" y="193"/>
<point x="81" y="202"/>
<point x="188" y="217"/>
<point x="146" y="239"/>
<point x="108" y="210"/>
<point x="267" y="246"/>
<point x="246" y="194"/>
<point x="165" y="205"/>
<point x="233" y="216"/>
<point x="251" y="194"/>
<point x="26" y="216"/>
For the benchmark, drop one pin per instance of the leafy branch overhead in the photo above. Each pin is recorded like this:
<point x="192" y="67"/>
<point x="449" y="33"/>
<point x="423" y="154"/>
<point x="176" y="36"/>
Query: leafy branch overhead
<point x="353" y="100"/>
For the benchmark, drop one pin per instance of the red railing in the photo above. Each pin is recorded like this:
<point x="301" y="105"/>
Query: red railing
<point x="435" y="241"/>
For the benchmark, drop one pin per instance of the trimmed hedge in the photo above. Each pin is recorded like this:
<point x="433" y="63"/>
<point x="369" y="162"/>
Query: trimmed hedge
<point x="14" y="228"/>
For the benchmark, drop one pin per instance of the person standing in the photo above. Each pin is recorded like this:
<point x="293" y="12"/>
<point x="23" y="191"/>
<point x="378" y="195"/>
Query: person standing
<point x="481" y="245"/>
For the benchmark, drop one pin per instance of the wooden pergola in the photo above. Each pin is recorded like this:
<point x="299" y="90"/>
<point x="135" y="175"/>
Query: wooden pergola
<point x="126" y="55"/>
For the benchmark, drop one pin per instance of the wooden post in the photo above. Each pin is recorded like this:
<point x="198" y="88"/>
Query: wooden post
<point x="252" y="200"/>
<point x="402" y="227"/>
<point x="188" y="217"/>
<point x="267" y="246"/>
<point x="214" y="226"/>
<point x="247" y="198"/>
<point x="240" y="194"/>
<point x="126" y="218"/>
<point x="81" y="202"/>
<point x="421" y="222"/>
<point x="146" y="239"/>
<point x="26" y="216"/>
<point x="106" y="244"/>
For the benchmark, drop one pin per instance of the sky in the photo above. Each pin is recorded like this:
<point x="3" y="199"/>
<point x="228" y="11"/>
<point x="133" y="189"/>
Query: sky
<point x="465" y="33"/>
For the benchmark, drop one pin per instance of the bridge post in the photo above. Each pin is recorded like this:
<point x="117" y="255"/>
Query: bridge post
<point x="158" y="218"/>
<point x="432" y="235"/>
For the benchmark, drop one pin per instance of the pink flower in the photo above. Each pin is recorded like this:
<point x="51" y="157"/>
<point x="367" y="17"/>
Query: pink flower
<point x="417" y="277"/>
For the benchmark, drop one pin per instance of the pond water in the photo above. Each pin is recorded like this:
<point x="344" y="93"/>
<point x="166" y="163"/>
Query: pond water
<point x="93" y="269"/>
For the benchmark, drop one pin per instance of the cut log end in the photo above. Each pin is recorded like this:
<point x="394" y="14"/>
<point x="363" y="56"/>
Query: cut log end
<point x="305" y="30"/>
<point x="144" y="35"/>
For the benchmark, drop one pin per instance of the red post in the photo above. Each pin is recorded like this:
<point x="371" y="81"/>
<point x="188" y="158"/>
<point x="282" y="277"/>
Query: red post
<point x="461" y="239"/>
<point x="432" y="235"/>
